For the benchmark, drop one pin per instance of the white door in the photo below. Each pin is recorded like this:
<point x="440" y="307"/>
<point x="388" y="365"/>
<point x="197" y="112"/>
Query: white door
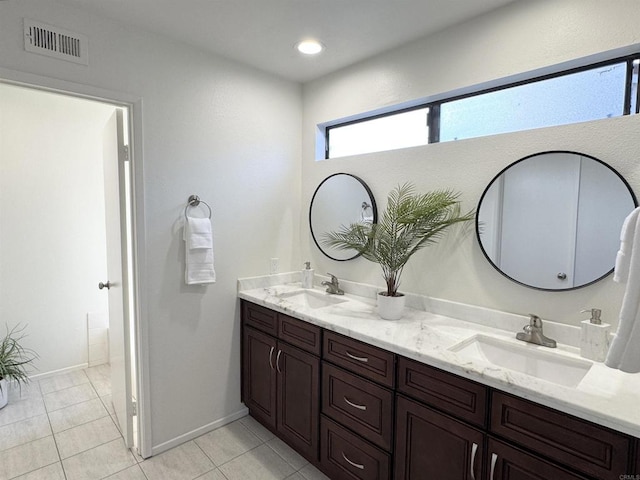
<point x="115" y="162"/>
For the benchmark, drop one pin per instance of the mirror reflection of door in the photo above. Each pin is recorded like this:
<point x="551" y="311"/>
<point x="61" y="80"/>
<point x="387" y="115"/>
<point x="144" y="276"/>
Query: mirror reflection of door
<point x="552" y="220"/>
<point x="539" y="221"/>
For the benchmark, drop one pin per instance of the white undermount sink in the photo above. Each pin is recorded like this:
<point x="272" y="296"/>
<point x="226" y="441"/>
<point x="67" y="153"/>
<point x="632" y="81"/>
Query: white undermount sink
<point x="311" y="298"/>
<point x="539" y="362"/>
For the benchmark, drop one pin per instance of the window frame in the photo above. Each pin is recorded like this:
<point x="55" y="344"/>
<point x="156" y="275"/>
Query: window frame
<point x="433" y="116"/>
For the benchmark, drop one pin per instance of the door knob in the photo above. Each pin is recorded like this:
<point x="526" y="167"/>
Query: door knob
<point x="104" y="285"/>
<point x="562" y="276"/>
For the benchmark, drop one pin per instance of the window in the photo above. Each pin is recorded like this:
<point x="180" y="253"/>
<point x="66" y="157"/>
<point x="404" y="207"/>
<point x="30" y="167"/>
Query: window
<point x="599" y="91"/>
<point x="389" y="132"/>
<point x="577" y="97"/>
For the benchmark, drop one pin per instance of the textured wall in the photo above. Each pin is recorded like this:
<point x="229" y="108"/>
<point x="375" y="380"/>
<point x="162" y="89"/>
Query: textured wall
<point x="210" y="127"/>
<point x="522" y="37"/>
<point x="52" y="230"/>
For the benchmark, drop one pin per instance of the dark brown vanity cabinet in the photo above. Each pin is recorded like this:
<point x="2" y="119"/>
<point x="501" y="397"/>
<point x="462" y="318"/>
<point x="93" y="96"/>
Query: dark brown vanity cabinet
<point x="505" y="462"/>
<point x="364" y="414"/>
<point x="281" y="379"/>
<point x="576" y="444"/>
<point x="357" y="409"/>
<point x="456" y="429"/>
<point x="434" y="446"/>
<point x="432" y="443"/>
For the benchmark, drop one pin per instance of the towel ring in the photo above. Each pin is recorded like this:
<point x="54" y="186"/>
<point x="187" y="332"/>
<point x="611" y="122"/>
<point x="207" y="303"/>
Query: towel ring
<point x="194" y="201"/>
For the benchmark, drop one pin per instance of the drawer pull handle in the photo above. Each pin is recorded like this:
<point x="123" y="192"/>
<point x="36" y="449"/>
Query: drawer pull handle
<point x="360" y="359"/>
<point x="474" y="449"/>
<point x="355" y="405"/>
<point x="494" y="459"/>
<point x="271" y="358"/>
<point x="278" y="361"/>
<point x="357" y="465"/>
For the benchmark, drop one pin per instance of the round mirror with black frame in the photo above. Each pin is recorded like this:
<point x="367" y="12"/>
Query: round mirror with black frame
<point x="340" y="199"/>
<point x="552" y="220"/>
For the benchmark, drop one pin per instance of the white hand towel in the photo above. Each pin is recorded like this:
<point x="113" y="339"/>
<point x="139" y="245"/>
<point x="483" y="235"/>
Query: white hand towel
<point x="623" y="258"/>
<point x="199" y="234"/>
<point x="624" y="353"/>
<point x="198" y="239"/>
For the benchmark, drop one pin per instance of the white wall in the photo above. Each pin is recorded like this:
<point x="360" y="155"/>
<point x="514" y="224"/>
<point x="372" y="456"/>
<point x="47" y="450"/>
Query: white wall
<point x="522" y="37"/>
<point x="211" y="127"/>
<point x="52" y="229"/>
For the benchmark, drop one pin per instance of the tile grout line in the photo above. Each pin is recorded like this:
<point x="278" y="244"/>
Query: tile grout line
<point x="52" y="436"/>
<point x="266" y="442"/>
<point x="64" y="472"/>
<point x="121" y="437"/>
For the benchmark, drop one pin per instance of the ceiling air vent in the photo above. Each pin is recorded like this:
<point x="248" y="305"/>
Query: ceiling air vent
<point x="55" y="42"/>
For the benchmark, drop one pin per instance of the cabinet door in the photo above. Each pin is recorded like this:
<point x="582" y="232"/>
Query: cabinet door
<point x="508" y="463"/>
<point x="583" y="446"/>
<point x="259" y="375"/>
<point x="298" y="399"/>
<point x="433" y="446"/>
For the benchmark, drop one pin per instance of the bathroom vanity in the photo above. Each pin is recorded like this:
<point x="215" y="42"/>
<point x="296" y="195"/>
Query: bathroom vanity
<point x="364" y="398"/>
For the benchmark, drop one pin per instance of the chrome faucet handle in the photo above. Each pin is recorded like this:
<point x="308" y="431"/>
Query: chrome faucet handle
<point x="535" y="321"/>
<point x="334" y="279"/>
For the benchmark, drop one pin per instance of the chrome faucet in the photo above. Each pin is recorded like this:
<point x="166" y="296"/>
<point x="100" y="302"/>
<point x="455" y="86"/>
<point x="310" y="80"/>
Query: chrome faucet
<point x="532" y="333"/>
<point x="333" y="286"/>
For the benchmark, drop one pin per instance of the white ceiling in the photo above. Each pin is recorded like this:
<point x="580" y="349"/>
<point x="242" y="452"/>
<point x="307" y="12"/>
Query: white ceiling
<point x="263" y="33"/>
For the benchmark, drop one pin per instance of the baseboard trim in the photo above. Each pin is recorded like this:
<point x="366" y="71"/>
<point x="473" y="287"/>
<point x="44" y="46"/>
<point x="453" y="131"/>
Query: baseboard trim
<point x="41" y="376"/>
<point x="174" y="442"/>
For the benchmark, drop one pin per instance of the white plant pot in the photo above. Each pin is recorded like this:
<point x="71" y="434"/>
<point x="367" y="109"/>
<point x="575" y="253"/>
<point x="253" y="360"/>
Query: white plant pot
<point x="391" y="308"/>
<point x="4" y="392"/>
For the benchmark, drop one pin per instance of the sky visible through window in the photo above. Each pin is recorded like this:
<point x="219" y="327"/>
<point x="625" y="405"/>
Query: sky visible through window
<point x="582" y="96"/>
<point x="578" y="97"/>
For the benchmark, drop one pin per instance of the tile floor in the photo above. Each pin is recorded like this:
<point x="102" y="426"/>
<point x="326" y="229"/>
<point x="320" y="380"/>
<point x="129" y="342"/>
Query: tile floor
<point x="64" y="427"/>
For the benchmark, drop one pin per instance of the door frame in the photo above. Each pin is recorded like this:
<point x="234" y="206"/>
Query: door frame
<point x="133" y="104"/>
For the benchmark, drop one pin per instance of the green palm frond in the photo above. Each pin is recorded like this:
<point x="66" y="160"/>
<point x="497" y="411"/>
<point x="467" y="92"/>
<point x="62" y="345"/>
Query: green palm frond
<point x="14" y="358"/>
<point x="410" y="222"/>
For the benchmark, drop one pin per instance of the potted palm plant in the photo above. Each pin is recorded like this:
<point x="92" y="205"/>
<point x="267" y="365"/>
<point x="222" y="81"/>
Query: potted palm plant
<point x="410" y="222"/>
<point x="14" y="359"/>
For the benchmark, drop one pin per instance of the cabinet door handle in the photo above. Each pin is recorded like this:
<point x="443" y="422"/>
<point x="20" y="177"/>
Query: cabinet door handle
<point x="494" y="459"/>
<point x="357" y="465"/>
<point x="271" y="357"/>
<point x="278" y="361"/>
<point x="355" y="405"/>
<point x="474" y="449"/>
<point x="353" y="357"/>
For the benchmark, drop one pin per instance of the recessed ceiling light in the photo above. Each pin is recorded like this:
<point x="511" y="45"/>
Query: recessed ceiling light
<point x="309" y="47"/>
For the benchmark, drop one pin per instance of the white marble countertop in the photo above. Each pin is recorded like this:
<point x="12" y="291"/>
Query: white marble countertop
<point x="604" y="396"/>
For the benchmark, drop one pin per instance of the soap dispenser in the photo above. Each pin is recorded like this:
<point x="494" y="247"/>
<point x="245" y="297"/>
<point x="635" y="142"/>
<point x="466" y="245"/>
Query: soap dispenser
<point x="594" y="337"/>
<point x="307" y="276"/>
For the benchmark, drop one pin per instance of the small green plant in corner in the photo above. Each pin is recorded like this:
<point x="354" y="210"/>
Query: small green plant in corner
<point x="410" y="222"/>
<point x="14" y="359"/>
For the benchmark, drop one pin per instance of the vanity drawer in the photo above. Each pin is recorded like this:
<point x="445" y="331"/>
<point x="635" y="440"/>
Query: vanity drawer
<point x="260" y="317"/>
<point x="344" y="455"/>
<point x="582" y="445"/>
<point x="361" y="405"/>
<point x="455" y="395"/>
<point x="302" y="334"/>
<point x="365" y="360"/>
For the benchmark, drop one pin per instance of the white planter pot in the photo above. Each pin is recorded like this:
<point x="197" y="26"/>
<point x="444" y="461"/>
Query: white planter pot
<point x="4" y="392"/>
<point x="390" y="308"/>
